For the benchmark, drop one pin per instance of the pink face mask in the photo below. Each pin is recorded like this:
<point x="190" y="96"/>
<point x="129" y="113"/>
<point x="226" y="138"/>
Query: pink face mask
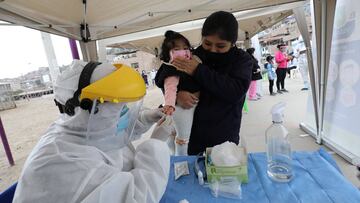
<point x="180" y="54"/>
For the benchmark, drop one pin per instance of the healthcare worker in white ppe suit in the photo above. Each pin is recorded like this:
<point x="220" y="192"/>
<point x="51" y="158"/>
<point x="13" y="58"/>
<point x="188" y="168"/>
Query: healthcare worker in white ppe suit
<point x="86" y="155"/>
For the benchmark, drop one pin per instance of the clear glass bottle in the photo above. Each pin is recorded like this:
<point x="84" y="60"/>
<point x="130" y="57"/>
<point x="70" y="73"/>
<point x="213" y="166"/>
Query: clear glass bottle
<point x="279" y="162"/>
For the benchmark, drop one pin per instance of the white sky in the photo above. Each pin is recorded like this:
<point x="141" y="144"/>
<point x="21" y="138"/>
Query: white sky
<point x="22" y="51"/>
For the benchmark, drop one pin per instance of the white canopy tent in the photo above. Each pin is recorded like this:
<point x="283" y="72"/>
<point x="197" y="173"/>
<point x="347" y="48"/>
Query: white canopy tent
<point x="104" y="19"/>
<point x="250" y="21"/>
<point x="88" y="21"/>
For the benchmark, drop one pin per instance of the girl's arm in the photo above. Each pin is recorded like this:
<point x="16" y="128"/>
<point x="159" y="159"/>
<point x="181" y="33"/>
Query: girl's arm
<point x="170" y="88"/>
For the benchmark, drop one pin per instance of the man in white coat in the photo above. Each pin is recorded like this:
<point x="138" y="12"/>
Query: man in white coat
<point x="303" y="64"/>
<point x="86" y="155"/>
<point x="303" y="68"/>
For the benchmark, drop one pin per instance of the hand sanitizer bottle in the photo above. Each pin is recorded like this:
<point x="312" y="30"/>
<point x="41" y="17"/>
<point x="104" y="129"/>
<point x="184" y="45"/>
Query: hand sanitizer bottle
<point x="279" y="163"/>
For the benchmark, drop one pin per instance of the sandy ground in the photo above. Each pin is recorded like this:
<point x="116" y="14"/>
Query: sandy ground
<point x="25" y="125"/>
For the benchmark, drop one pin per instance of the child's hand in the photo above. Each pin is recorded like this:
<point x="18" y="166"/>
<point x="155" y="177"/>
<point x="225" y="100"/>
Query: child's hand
<point x="168" y="110"/>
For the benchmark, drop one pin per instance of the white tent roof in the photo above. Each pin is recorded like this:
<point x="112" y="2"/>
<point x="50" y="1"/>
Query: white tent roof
<point x="252" y="21"/>
<point x="113" y="17"/>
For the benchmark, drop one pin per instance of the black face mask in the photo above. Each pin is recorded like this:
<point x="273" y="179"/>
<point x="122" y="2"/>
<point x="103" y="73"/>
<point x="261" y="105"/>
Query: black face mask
<point x="213" y="58"/>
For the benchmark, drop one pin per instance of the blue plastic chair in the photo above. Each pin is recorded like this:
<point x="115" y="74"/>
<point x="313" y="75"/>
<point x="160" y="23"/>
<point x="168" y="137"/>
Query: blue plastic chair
<point x="8" y="195"/>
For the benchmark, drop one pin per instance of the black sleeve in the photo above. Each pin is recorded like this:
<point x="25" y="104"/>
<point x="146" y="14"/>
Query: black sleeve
<point x="231" y="86"/>
<point x="255" y="66"/>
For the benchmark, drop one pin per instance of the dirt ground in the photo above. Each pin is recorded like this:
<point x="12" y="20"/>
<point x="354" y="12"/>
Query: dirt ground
<point x="24" y="126"/>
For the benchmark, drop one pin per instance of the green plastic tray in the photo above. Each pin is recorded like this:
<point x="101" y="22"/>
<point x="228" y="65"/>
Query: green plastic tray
<point x="221" y="172"/>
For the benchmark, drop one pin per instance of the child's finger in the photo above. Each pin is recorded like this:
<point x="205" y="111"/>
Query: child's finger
<point x="196" y="100"/>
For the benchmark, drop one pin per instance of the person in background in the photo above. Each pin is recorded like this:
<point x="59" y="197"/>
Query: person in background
<point x="292" y="64"/>
<point x="224" y="77"/>
<point x="171" y="80"/>
<point x="152" y="76"/>
<point x="303" y="68"/>
<point x="145" y="77"/>
<point x="269" y="66"/>
<point x="256" y="75"/>
<point x="282" y="61"/>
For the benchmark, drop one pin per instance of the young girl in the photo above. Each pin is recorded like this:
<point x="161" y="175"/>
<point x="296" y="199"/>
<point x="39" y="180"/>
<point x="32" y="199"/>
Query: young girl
<point x="269" y="66"/>
<point x="170" y="80"/>
<point x="256" y="75"/>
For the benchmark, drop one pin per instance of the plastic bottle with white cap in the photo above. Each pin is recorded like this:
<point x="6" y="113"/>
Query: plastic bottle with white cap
<point x="279" y="162"/>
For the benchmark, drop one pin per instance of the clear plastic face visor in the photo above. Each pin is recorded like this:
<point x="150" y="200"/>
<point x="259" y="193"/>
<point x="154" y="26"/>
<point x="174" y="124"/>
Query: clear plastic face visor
<point x="128" y="118"/>
<point x="111" y="125"/>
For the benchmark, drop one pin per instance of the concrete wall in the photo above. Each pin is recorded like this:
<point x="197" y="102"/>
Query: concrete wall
<point x="6" y="100"/>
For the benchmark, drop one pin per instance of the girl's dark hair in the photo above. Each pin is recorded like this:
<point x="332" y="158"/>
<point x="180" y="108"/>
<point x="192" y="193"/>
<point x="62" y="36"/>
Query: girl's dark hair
<point x="280" y="45"/>
<point x="223" y="24"/>
<point x="250" y="51"/>
<point x="169" y="43"/>
<point x="269" y="58"/>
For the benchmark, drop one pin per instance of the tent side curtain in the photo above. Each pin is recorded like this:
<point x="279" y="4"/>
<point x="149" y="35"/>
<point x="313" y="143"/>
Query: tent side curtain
<point x="324" y="12"/>
<point x="89" y="50"/>
<point x="336" y="137"/>
<point x="303" y="28"/>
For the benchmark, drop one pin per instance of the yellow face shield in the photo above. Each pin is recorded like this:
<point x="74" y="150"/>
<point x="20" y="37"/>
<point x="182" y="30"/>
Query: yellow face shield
<point x="123" y="85"/>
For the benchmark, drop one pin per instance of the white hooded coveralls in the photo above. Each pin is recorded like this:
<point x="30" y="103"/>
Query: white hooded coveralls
<point x="62" y="168"/>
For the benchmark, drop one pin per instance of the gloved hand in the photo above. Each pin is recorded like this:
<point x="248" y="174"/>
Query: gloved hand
<point x="150" y="116"/>
<point x="164" y="128"/>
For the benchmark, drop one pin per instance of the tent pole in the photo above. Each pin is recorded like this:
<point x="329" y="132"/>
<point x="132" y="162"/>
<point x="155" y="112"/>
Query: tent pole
<point x="327" y="22"/>
<point x="301" y="22"/>
<point x="50" y="55"/>
<point x="102" y="51"/>
<point x="322" y="68"/>
<point x="6" y="144"/>
<point x="89" y="50"/>
<point x="74" y="49"/>
<point x="318" y="34"/>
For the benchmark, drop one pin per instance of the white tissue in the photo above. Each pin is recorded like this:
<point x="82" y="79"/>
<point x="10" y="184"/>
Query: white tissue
<point x="184" y="201"/>
<point x="226" y="154"/>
